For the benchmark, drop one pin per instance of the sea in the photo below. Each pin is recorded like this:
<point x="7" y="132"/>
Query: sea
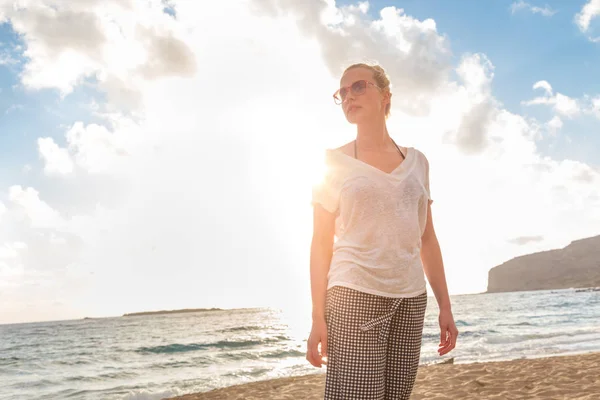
<point x="159" y="356"/>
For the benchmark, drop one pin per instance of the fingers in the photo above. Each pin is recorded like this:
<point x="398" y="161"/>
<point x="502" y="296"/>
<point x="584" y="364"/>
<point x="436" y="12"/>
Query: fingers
<point x="316" y="346"/>
<point x="454" y="337"/>
<point x="309" y="352"/>
<point x="450" y="343"/>
<point x="316" y="357"/>
<point x="313" y="355"/>
<point x="311" y="360"/>
<point x="444" y="336"/>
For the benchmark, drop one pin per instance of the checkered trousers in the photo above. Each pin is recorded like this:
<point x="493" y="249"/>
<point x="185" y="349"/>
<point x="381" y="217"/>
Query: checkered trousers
<point x="373" y="344"/>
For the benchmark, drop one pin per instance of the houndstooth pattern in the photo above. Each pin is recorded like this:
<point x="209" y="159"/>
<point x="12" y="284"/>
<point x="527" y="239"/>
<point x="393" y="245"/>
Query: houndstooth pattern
<point x="374" y="345"/>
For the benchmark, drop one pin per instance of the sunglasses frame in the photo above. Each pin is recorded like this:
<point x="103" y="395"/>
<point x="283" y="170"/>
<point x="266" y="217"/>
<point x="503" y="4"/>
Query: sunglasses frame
<point x="356" y="93"/>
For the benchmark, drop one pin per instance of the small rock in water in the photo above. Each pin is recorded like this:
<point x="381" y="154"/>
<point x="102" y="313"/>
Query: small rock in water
<point x="591" y="289"/>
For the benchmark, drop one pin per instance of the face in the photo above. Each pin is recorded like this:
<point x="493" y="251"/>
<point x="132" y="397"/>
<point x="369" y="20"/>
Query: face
<point x="359" y="108"/>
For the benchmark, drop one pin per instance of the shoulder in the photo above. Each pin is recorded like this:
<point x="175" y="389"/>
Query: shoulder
<point x="335" y="157"/>
<point x="420" y="156"/>
<point x="418" y="152"/>
<point x="347" y="149"/>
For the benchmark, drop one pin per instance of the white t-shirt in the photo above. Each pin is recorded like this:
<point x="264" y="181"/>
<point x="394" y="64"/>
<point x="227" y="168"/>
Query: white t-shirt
<point x="380" y="219"/>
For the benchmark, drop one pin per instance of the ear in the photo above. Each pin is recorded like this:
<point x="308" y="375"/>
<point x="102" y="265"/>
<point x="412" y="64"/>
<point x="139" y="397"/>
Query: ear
<point x="387" y="98"/>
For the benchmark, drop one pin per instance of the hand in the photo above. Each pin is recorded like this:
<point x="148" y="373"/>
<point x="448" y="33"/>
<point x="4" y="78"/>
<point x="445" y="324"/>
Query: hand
<point x="448" y="332"/>
<point x="318" y="335"/>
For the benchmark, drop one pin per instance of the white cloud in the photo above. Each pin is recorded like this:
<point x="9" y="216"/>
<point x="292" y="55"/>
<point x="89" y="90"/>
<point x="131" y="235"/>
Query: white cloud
<point x="554" y="125"/>
<point x="522" y="5"/>
<point x="93" y="148"/>
<point x="56" y="159"/>
<point x="213" y="175"/>
<point x="10" y="266"/>
<point x="595" y="106"/>
<point x="7" y="59"/>
<point x="589" y="11"/>
<point x="562" y="104"/>
<point x="11" y="250"/>
<point x="107" y="40"/>
<point x="418" y="57"/>
<point x="543" y="85"/>
<point x="566" y="105"/>
<point x="476" y="72"/>
<point x="31" y="208"/>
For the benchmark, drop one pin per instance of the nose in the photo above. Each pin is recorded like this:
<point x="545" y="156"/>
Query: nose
<point x="349" y="96"/>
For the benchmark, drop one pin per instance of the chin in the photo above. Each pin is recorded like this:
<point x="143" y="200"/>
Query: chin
<point x="355" y="119"/>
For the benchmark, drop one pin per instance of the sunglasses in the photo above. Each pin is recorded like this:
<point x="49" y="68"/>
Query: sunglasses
<point x="357" y="89"/>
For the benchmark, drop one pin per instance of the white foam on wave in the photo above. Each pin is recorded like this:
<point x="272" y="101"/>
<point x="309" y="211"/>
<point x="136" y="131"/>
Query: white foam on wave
<point x="144" y="394"/>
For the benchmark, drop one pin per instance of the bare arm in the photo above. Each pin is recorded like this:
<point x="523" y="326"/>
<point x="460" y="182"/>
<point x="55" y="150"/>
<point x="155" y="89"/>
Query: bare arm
<point x="433" y="265"/>
<point x="321" y="250"/>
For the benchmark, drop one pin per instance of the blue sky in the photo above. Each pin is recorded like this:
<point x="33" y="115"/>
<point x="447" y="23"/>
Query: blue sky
<point x="27" y="114"/>
<point x="524" y="47"/>
<point x="174" y="169"/>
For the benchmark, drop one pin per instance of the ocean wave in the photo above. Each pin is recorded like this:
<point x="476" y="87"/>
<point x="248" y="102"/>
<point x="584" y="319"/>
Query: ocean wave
<point x="284" y="354"/>
<point x="27" y="346"/>
<point x="42" y="383"/>
<point x="567" y="304"/>
<point x="240" y="355"/>
<point x="9" y="361"/>
<point x="242" y="329"/>
<point x="462" y="334"/>
<point x="507" y="339"/>
<point x="222" y="344"/>
<point x="252" y="372"/>
<point x="430" y="335"/>
<point x="199" y="361"/>
<point x="102" y="377"/>
<point x="73" y="362"/>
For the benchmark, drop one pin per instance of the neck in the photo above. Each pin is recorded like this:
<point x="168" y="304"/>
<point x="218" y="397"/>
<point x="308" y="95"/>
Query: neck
<point x="373" y="135"/>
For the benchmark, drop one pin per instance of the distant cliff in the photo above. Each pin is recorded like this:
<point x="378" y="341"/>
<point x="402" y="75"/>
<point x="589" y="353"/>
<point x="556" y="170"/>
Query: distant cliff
<point x="577" y="265"/>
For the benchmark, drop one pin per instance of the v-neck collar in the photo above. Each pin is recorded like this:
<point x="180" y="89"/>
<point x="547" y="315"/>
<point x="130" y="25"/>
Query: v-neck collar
<point x="396" y="172"/>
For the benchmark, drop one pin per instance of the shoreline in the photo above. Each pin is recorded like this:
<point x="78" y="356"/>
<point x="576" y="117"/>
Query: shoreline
<point x="552" y="377"/>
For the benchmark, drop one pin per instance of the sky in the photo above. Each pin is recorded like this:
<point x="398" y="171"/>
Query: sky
<point x="160" y="154"/>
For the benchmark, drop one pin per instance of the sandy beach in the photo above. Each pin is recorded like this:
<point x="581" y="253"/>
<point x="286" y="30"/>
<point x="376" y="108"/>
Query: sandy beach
<point x="561" y="377"/>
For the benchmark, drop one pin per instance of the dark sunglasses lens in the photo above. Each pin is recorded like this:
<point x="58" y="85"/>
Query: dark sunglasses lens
<point x="359" y="87"/>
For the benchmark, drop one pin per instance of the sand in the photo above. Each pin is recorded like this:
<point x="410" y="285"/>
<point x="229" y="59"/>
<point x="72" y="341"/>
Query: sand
<point x="561" y="377"/>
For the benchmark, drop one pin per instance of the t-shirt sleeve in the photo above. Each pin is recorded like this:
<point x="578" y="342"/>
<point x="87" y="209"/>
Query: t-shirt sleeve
<point x="326" y="191"/>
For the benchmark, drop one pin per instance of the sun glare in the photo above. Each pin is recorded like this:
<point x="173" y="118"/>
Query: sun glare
<point x="317" y="168"/>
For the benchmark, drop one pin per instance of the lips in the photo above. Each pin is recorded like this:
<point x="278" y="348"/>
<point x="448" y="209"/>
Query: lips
<point x="352" y="108"/>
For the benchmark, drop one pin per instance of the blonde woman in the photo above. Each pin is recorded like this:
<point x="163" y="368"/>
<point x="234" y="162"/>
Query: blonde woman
<point x="368" y="286"/>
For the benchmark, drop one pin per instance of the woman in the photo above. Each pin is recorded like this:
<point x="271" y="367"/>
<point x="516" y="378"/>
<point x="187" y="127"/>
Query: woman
<point x="368" y="287"/>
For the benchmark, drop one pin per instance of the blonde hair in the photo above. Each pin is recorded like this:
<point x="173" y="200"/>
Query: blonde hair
<point x="381" y="79"/>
